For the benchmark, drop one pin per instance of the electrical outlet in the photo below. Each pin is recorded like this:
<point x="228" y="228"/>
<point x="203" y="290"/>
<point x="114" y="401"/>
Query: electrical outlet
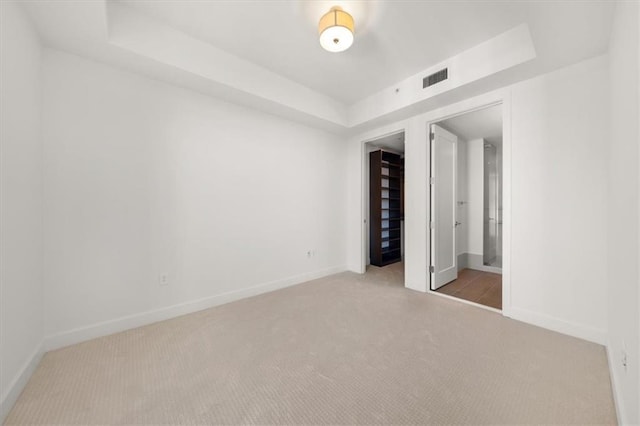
<point x="163" y="280"/>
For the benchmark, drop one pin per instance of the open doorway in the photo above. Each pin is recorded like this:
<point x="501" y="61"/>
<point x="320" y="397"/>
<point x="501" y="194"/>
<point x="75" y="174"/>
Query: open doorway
<point x="466" y="207"/>
<point x="385" y="202"/>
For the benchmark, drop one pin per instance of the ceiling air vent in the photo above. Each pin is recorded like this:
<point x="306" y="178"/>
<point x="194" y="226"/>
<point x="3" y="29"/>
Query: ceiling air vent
<point x="434" y="78"/>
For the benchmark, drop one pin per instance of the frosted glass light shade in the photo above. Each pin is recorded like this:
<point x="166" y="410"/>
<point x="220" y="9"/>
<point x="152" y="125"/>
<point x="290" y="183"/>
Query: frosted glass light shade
<point x="336" y="30"/>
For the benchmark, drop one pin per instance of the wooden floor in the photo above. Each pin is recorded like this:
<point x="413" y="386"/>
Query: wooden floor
<point x="476" y="286"/>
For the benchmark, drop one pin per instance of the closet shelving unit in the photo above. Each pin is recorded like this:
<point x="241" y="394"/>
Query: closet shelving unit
<point x="386" y="192"/>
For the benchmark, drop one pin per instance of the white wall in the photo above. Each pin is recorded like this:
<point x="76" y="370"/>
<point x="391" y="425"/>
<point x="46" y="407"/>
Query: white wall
<point x="623" y="198"/>
<point x="475" y="197"/>
<point x="558" y="243"/>
<point x="556" y="125"/>
<point x="470" y="234"/>
<point x="142" y="179"/>
<point x="470" y="189"/>
<point x="20" y="202"/>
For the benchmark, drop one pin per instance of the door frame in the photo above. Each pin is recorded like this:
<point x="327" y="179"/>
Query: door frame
<point x="364" y="213"/>
<point x="416" y="133"/>
<point x="504" y="100"/>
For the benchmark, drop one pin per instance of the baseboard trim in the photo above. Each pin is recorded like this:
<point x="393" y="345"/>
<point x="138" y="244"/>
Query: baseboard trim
<point x="475" y="261"/>
<point x="617" y="399"/>
<point x="556" y="324"/>
<point x="118" y="325"/>
<point x="485" y="268"/>
<point x="19" y="382"/>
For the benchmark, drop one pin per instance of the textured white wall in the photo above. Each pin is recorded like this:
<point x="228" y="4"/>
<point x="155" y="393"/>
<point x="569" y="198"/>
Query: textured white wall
<point x="622" y="146"/>
<point x="20" y="201"/>
<point x="143" y="179"/>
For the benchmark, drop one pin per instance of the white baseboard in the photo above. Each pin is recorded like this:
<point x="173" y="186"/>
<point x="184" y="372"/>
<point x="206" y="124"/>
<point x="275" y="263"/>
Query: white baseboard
<point x="475" y="261"/>
<point x="117" y="325"/>
<point x="19" y="382"/>
<point x="556" y="324"/>
<point x="617" y="398"/>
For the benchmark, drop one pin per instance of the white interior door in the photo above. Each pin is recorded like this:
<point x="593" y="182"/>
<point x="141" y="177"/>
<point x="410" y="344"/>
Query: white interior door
<point x="444" y="268"/>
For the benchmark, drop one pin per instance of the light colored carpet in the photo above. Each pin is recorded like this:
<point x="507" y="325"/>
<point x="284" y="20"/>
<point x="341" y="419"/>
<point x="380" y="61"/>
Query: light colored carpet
<point x="346" y="349"/>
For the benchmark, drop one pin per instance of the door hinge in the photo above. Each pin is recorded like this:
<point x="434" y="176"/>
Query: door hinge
<point x="432" y="181"/>
<point x="432" y="269"/>
<point x="432" y="225"/>
<point x="432" y="136"/>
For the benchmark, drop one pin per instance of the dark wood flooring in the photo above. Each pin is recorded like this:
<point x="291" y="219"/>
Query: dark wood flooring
<point x="480" y="287"/>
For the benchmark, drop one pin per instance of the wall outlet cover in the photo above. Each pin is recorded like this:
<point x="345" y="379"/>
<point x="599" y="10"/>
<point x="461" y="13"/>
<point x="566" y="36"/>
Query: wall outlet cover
<point x="163" y="280"/>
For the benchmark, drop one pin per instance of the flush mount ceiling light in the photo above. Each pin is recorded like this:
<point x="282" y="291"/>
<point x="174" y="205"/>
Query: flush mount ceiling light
<point x="336" y="30"/>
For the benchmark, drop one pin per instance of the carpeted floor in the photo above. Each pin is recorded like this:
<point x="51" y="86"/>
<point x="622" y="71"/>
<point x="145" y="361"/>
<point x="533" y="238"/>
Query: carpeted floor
<point x="346" y="349"/>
